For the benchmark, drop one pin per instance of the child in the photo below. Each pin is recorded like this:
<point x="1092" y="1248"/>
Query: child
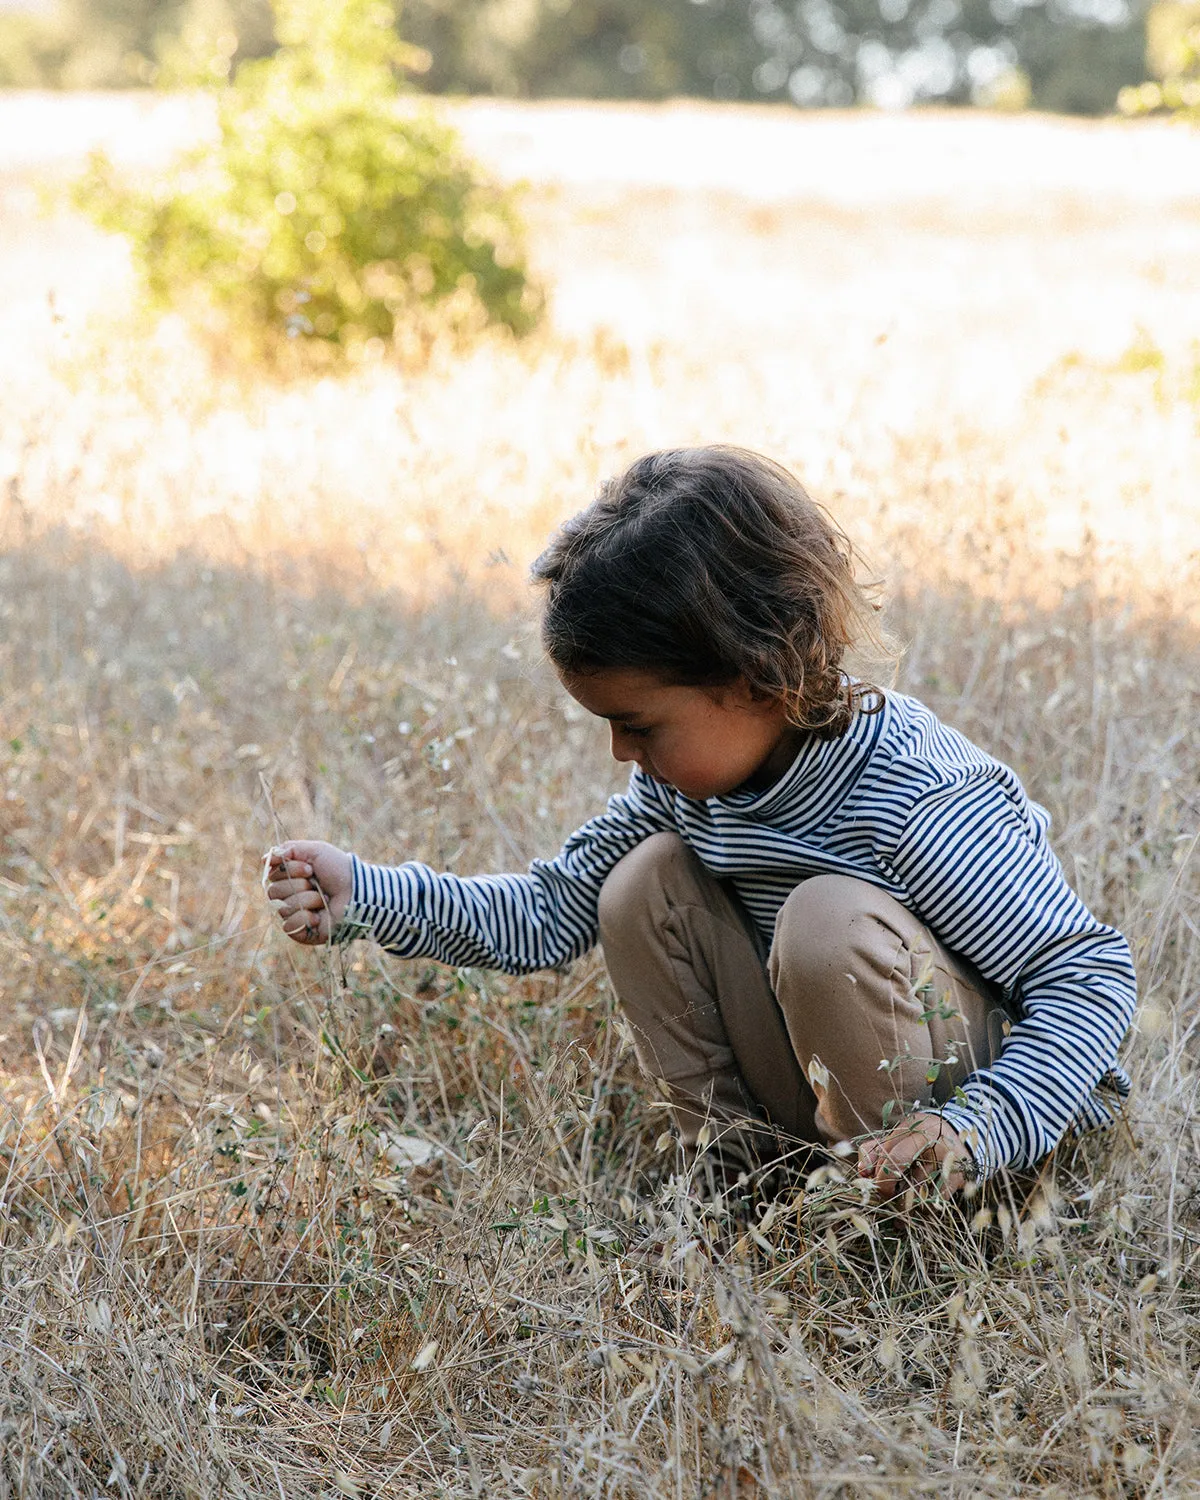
<point x="819" y="906"/>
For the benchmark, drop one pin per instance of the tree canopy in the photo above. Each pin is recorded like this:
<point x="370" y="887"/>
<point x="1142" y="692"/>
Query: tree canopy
<point x="325" y="212"/>
<point x="1069" y="55"/>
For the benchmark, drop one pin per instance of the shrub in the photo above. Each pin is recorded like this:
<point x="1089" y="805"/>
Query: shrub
<point x="1173" y="52"/>
<point x="328" y="210"/>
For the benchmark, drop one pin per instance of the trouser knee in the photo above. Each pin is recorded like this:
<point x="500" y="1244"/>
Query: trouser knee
<point x="875" y="1007"/>
<point x="685" y="967"/>
<point x="655" y="862"/>
<point x="823" y="931"/>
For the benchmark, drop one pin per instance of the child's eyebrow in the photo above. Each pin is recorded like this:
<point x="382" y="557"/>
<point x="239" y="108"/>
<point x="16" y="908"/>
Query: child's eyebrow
<point x="621" y="718"/>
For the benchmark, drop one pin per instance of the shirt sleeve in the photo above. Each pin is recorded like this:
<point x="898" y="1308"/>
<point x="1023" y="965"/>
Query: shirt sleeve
<point x="982" y="875"/>
<point x="514" y="923"/>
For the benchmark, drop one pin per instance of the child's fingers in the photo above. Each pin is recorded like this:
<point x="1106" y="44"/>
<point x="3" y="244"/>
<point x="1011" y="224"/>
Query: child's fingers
<point x="303" y="851"/>
<point x="281" y="854"/>
<point x="890" y="1176"/>
<point x="281" y="890"/>
<point x="900" y="1160"/>
<point x="294" y="893"/>
<point x="306" y="899"/>
<point x="870" y="1153"/>
<point x="310" y="935"/>
<point x="307" y="926"/>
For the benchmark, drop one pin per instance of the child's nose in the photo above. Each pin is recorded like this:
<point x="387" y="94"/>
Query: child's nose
<point x="620" y="747"/>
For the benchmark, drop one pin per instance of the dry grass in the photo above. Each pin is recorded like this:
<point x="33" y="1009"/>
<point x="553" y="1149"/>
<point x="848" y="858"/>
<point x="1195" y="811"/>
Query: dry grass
<point x="272" y="1227"/>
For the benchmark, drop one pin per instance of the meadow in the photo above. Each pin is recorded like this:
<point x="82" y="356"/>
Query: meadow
<point x="284" y="1223"/>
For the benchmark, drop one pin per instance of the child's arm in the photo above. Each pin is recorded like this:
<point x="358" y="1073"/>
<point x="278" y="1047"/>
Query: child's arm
<point x="514" y="923"/>
<point x="981" y="873"/>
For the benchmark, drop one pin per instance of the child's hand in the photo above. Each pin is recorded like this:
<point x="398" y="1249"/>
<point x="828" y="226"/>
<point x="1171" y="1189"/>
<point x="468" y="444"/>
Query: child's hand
<point x="313" y="884"/>
<point x="915" y="1151"/>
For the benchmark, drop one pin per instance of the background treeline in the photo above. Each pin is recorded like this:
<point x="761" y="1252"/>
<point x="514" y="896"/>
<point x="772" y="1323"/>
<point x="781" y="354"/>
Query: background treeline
<point x="1063" y="55"/>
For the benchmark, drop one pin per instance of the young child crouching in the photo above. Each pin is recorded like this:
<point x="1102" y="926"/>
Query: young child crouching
<point x="826" y="915"/>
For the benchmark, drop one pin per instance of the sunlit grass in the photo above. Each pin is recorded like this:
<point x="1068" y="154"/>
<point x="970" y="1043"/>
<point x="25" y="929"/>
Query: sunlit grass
<point x="882" y="348"/>
<point x="233" y="610"/>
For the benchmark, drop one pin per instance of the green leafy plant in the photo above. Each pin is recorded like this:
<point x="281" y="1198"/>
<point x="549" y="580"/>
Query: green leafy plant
<point x="1173" y="55"/>
<point x="330" y="212"/>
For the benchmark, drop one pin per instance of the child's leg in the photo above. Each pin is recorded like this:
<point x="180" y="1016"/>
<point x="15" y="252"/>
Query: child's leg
<point x="862" y="983"/>
<point x="689" y="973"/>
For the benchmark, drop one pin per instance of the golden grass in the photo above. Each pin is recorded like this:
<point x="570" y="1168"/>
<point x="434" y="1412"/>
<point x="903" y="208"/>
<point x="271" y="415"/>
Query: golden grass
<point x="272" y="1226"/>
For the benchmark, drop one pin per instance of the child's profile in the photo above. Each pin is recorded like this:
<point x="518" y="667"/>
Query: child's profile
<point x="828" y="917"/>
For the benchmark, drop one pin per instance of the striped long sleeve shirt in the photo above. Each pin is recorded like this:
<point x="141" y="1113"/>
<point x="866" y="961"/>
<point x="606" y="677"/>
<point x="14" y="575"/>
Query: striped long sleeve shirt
<point x="900" y="800"/>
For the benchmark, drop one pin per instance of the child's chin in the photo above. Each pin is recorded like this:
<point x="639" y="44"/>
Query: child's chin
<point x="692" y="793"/>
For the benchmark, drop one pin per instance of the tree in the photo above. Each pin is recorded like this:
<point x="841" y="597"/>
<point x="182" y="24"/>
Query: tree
<point x="329" y="212"/>
<point x="1173" y="53"/>
<point x="1076" y="53"/>
<point x="86" y="43"/>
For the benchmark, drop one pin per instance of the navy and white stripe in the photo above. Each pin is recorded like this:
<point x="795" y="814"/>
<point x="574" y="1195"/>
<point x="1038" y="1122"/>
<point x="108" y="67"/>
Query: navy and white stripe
<point x="902" y="801"/>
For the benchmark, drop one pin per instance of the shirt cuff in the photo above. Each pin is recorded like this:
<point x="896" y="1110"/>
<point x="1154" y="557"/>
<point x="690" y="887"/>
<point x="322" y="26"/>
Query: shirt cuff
<point x="381" y="897"/>
<point x="971" y="1127"/>
<point x="1000" y="1131"/>
<point x="356" y="919"/>
<point x="994" y="1129"/>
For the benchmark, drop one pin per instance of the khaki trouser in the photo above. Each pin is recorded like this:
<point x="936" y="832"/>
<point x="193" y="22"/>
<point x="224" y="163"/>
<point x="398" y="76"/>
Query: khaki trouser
<point x="854" y="995"/>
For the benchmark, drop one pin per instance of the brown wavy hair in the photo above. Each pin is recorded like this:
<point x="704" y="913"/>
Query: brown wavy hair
<point x="706" y="565"/>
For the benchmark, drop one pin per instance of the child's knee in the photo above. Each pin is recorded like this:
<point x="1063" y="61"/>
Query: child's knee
<point x="827" y="930"/>
<point x="653" y="864"/>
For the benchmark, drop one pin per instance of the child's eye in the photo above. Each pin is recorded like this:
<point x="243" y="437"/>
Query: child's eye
<point x="638" y="732"/>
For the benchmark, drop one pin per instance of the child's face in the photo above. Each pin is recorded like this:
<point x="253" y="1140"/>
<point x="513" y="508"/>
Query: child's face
<point x="704" y="742"/>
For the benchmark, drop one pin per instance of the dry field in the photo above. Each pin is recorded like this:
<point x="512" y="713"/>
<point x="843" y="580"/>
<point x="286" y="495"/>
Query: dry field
<point x="275" y="1224"/>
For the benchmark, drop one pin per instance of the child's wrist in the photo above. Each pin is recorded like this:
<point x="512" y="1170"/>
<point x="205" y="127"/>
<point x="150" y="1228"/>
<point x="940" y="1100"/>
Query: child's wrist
<point x="350" y="922"/>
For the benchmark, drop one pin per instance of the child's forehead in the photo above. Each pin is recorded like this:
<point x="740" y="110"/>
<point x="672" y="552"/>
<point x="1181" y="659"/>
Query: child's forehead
<point x="621" y="693"/>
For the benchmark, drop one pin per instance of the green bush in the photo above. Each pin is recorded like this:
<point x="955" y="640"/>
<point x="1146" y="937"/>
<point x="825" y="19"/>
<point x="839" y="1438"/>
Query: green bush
<point x="1173" y="52"/>
<point x="329" y="212"/>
